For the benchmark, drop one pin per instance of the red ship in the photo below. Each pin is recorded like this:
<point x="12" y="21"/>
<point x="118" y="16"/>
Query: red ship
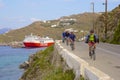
<point x="36" y="41"/>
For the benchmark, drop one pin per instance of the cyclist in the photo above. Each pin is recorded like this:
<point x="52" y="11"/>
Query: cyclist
<point x="63" y="36"/>
<point x="91" y="39"/>
<point x="72" y="37"/>
<point x="67" y="37"/>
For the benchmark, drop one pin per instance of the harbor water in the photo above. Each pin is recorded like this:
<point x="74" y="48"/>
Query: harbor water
<point x="11" y="58"/>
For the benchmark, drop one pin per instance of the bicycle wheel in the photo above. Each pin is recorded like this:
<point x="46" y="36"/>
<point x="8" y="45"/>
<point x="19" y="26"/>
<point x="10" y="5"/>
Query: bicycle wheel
<point x="90" y="52"/>
<point x="93" y="55"/>
<point x="67" y="41"/>
<point x="72" y="46"/>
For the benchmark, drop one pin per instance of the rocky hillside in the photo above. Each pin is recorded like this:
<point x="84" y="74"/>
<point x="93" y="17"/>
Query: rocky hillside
<point x="113" y="27"/>
<point x="47" y="65"/>
<point x="78" y="22"/>
<point x="35" y="28"/>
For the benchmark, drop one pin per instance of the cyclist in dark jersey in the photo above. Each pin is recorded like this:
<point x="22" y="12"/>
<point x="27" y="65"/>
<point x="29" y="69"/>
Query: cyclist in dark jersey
<point x="67" y="37"/>
<point x="63" y="36"/>
<point x="72" y="38"/>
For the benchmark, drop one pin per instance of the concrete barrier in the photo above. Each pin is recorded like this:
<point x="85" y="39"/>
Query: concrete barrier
<point x="79" y="66"/>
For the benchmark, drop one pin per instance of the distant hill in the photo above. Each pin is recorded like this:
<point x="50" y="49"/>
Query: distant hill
<point x="83" y="21"/>
<point x="4" y="30"/>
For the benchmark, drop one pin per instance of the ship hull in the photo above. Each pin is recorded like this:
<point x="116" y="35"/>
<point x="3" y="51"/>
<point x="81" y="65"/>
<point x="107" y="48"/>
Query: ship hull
<point x="32" y="44"/>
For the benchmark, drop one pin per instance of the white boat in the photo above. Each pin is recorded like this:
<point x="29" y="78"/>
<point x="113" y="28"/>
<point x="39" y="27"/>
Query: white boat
<point x="37" y="41"/>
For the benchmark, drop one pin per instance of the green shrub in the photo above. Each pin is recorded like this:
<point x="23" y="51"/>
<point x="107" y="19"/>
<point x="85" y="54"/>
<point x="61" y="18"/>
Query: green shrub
<point x="116" y="38"/>
<point x="58" y="74"/>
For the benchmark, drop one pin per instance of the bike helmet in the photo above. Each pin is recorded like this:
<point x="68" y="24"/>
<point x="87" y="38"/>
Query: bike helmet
<point x="91" y="31"/>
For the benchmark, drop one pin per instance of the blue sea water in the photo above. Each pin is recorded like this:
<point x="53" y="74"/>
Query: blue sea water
<point x="11" y="58"/>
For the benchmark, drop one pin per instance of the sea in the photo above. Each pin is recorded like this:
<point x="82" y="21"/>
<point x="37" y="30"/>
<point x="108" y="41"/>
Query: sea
<point x="11" y="58"/>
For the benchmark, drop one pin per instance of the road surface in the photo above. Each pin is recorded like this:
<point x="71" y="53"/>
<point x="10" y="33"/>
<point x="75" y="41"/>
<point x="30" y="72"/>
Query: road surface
<point x="107" y="57"/>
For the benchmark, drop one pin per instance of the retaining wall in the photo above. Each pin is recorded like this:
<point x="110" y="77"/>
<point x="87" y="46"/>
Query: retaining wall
<point x="80" y="66"/>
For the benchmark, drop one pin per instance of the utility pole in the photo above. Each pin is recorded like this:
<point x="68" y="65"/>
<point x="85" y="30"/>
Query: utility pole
<point x="93" y="14"/>
<point x="106" y="17"/>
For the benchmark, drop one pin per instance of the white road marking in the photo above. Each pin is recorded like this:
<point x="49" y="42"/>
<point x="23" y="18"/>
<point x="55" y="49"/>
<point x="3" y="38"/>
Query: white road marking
<point x="113" y="53"/>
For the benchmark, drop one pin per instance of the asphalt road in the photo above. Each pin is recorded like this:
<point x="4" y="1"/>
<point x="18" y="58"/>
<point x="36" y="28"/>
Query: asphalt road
<point x="107" y="57"/>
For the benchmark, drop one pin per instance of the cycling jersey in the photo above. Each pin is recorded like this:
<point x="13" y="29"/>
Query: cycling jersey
<point x="72" y="37"/>
<point x="91" y="38"/>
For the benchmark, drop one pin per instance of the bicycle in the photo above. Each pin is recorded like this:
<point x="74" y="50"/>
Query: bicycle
<point x="92" y="51"/>
<point x="67" y="41"/>
<point x="72" y="45"/>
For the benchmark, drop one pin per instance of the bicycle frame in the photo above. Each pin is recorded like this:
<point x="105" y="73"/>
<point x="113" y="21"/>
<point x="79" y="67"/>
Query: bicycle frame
<point x="92" y="51"/>
<point x="72" y="44"/>
<point x="67" y="41"/>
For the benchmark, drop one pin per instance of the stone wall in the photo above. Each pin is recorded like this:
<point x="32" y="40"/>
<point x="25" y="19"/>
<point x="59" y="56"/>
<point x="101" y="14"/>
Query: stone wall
<point x="80" y="67"/>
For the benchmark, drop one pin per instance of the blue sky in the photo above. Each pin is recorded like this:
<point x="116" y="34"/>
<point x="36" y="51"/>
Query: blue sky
<point x="19" y="13"/>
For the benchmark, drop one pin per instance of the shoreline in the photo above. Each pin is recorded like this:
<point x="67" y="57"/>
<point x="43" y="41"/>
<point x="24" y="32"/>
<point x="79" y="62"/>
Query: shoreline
<point x="13" y="44"/>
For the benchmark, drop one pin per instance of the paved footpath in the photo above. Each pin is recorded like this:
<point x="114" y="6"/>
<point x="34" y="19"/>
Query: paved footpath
<point x="107" y="57"/>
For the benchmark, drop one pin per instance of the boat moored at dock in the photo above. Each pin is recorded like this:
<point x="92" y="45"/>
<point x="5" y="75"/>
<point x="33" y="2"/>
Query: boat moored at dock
<point x="37" y="41"/>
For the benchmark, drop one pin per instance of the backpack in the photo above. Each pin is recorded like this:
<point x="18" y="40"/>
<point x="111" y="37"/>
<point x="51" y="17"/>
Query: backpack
<point x="96" y="39"/>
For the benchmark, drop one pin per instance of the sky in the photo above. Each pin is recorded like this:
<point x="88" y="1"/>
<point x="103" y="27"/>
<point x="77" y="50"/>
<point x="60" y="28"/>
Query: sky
<point x="20" y="13"/>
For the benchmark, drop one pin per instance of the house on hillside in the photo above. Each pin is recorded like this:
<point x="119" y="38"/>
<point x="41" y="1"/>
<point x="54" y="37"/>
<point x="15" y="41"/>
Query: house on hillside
<point x="53" y="25"/>
<point x="66" y="22"/>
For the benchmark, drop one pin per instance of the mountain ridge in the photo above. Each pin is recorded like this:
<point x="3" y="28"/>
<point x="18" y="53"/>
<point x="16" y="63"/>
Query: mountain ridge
<point x="4" y="30"/>
<point x="83" y="22"/>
